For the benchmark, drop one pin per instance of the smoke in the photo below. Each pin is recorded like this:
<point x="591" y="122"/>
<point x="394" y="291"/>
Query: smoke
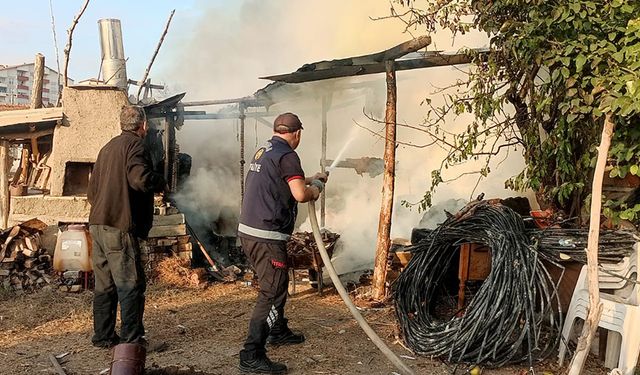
<point x="227" y="49"/>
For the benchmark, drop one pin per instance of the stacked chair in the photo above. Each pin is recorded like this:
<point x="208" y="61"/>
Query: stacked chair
<point x="620" y="312"/>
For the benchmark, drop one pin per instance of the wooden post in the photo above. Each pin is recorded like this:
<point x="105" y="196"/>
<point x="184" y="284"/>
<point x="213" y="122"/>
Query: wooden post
<point x="384" y="224"/>
<point x="173" y="152"/>
<point x="323" y="158"/>
<point x="4" y="183"/>
<point x="36" y="99"/>
<point x="167" y="152"/>
<point x="242" y="161"/>
<point x="38" y="76"/>
<point x="595" y="307"/>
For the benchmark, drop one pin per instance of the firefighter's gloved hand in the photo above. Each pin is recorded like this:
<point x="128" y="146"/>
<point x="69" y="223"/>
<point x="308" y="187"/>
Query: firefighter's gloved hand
<point x="323" y="177"/>
<point x="319" y="184"/>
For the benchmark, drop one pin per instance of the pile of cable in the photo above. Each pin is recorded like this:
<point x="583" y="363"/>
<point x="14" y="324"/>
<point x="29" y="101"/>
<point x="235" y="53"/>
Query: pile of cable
<point x="570" y="243"/>
<point x="513" y="317"/>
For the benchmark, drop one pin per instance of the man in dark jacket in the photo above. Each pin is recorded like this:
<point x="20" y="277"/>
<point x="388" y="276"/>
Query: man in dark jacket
<point x="275" y="184"/>
<point x="121" y="196"/>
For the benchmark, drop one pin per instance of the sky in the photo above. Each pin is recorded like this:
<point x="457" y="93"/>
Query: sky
<point x="25" y="29"/>
<point x="222" y="35"/>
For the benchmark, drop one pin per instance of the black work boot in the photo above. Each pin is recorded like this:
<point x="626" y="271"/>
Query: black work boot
<point x="261" y="364"/>
<point x="107" y="344"/>
<point x="286" y="337"/>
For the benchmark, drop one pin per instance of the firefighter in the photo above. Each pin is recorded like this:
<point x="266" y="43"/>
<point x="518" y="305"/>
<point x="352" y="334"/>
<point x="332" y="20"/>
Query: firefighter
<point x="275" y="184"/>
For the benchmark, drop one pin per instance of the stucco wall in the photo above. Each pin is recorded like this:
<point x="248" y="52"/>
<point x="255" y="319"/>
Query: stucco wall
<point x="91" y="119"/>
<point x="51" y="210"/>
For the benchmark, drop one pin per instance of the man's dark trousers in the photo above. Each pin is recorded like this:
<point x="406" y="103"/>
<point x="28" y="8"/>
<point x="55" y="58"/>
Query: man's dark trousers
<point x="269" y="260"/>
<point x="119" y="277"/>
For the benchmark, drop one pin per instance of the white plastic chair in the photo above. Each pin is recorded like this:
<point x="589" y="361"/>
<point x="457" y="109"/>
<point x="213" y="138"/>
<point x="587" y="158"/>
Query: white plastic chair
<point x="620" y="312"/>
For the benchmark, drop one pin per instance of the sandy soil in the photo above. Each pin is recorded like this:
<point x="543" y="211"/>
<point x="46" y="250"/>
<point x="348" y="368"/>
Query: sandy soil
<point x="203" y="330"/>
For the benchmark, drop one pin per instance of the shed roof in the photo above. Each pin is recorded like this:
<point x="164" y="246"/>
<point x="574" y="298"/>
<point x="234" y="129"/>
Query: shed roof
<point x="29" y="123"/>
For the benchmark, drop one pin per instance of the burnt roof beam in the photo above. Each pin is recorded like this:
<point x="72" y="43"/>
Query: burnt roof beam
<point x="358" y="70"/>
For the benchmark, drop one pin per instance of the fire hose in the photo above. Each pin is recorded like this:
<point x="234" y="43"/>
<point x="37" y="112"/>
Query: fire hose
<point x="404" y="369"/>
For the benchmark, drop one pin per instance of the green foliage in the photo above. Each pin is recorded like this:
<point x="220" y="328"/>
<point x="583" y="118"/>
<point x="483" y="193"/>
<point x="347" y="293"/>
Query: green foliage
<point x="553" y="71"/>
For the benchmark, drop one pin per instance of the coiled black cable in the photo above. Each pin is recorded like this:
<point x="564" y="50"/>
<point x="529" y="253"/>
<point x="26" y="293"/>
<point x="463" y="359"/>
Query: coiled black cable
<point x="515" y="315"/>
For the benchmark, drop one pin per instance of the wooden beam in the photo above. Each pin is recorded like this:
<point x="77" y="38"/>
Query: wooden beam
<point x="175" y="114"/>
<point x="38" y="77"/>
<point x="160" y="220"/>
<point x="363" y="69"/>
<point x="168" y="231"/>
<point x="36" y="98"/>
<point x="248" y="100"/>
<point x="25" y="168"/>
<point x="25" y="135"/>
<point x="401" y="49"/>
<point x="388" y="185"/>
<point x="4" y="183"/>
<point x="150" y="85"/>
<point x="30" y="116"/>
<point x="224" y="116"/>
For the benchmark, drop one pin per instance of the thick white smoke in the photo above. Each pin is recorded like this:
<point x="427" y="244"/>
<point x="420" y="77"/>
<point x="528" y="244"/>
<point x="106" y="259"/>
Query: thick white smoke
<point x="224" y="55"/>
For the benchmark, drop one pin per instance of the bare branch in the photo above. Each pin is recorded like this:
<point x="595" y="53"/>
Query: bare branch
<point x="155" y="53"/>
<point x="378" y="135"/>
<point x="67" y="49"/>
<point x="55" y="47"/>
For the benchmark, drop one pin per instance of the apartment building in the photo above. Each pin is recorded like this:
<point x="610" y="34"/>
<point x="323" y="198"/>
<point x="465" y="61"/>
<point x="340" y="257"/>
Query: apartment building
<point x="16" y="82"/>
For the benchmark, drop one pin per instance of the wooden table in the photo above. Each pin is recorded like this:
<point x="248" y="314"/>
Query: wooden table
<point x="475" y="264"/>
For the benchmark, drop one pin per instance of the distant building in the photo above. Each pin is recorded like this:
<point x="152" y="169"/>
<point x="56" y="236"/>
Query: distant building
<point x="16" y="82"/>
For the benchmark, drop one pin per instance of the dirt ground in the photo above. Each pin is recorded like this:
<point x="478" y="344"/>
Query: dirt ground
<point x="203" y="330"/>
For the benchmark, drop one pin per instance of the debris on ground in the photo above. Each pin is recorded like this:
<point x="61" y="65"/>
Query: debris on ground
<point x="301" y="248"/>
<point x="178" y="272"/>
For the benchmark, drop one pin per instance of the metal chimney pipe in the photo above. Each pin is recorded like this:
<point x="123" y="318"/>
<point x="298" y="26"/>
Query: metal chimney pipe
<point x="114" y="66"/>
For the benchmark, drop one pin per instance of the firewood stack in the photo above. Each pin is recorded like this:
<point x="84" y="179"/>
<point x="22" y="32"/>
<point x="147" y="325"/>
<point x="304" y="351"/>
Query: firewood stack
<point x="168" y="237"/>
<point x="24" y="264"/>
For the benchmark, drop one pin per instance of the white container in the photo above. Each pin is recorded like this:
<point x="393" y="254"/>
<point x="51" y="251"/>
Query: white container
<point x="73" y="250"/>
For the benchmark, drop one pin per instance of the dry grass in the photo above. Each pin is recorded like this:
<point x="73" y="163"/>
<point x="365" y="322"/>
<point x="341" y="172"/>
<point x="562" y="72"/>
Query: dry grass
<point x="173" y="271"/>
<point x="204" y="330"/>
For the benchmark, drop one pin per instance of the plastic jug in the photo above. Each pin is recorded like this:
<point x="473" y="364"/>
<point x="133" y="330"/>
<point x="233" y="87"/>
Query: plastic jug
<point x="73" y="250"/>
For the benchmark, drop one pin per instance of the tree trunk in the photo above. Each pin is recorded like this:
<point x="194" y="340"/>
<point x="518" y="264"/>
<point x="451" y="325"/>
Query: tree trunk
<point x="595" y="307"/>
<point x="384" y="224"/>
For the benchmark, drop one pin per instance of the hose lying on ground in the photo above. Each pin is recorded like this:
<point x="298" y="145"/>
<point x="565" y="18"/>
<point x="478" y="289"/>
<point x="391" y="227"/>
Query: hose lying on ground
<point x="345" y="297"/>
<point x="514" y="316"/>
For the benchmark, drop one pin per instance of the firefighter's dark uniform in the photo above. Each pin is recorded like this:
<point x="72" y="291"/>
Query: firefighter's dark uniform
<point x="266" y="222"/>
<point x="121" y="195"/>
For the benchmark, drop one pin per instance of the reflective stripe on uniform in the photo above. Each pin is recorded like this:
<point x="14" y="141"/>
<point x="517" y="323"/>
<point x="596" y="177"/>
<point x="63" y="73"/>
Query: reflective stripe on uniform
<point x="261" y="233"/>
